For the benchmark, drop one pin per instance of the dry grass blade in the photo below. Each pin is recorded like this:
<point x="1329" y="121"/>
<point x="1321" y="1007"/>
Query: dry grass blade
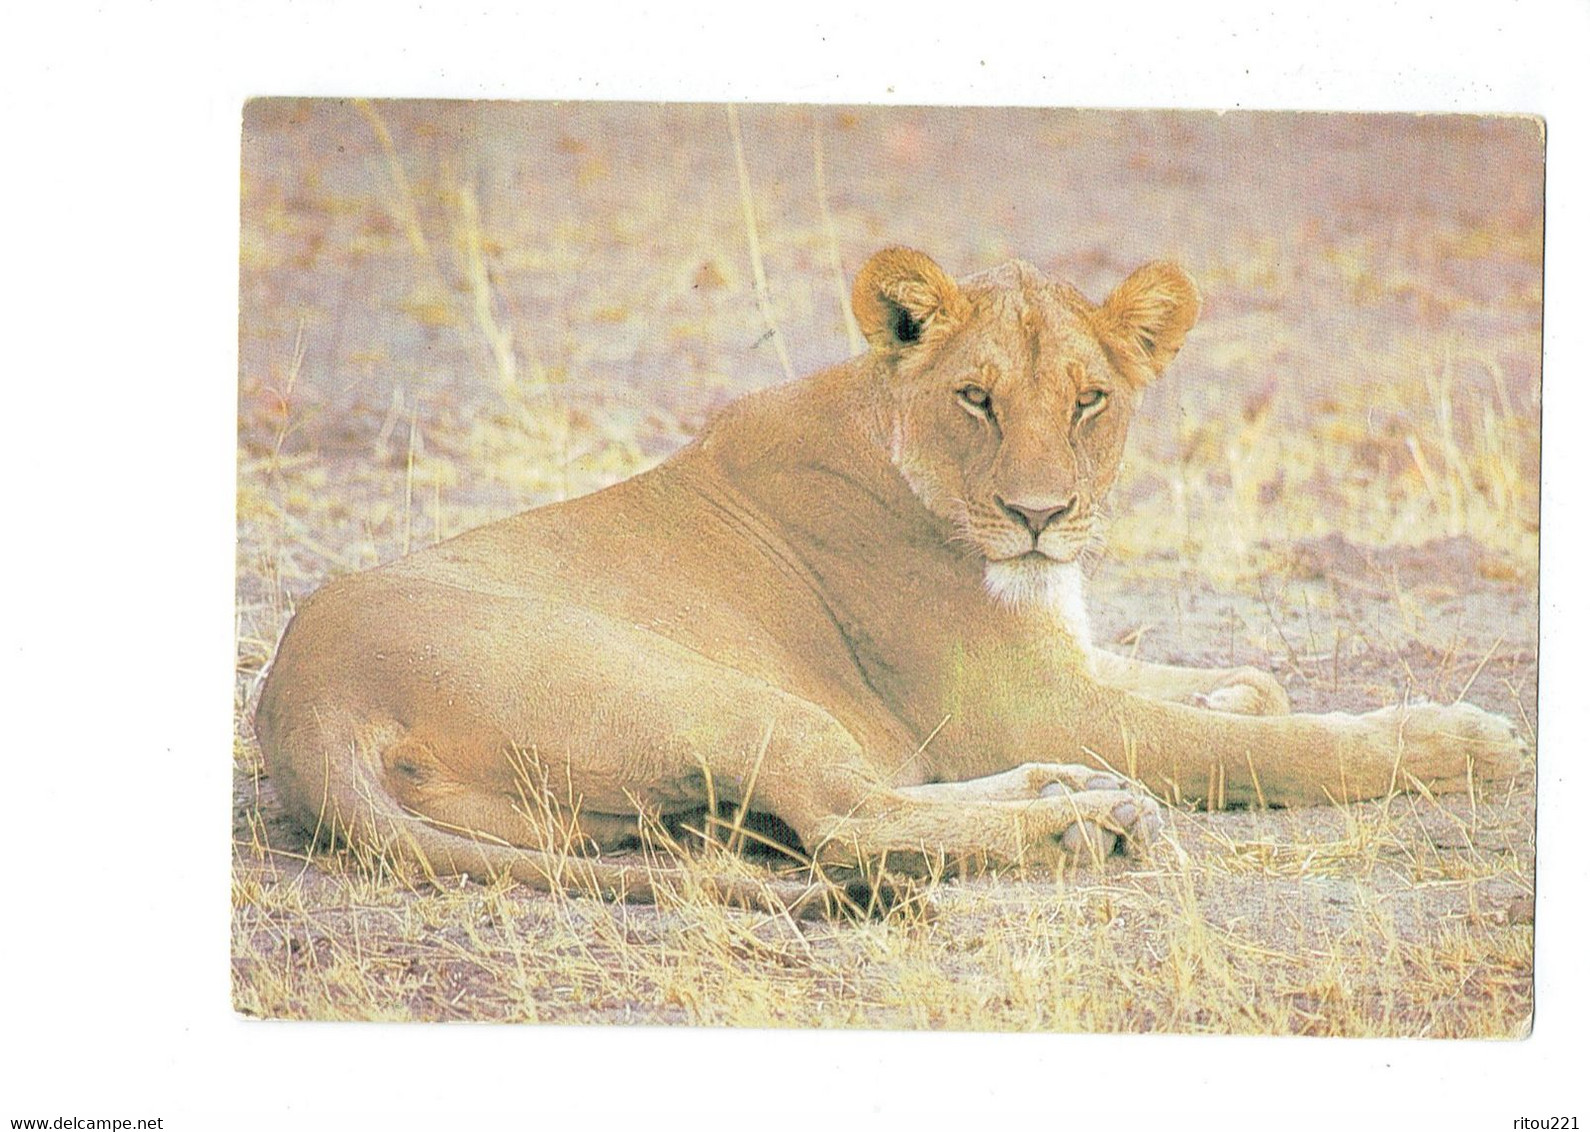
<point x="497" y="338"/>
<point x="764" y="302"/>
<point x="403" y="204"/>
<point x="831" y="239"/>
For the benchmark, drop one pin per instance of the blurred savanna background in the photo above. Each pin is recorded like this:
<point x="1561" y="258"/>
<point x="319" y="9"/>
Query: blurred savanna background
<point x="450" y="312"/>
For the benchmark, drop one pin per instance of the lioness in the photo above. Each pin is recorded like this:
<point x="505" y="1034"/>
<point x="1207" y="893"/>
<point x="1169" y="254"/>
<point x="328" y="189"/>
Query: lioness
<point x="854" y="604"/>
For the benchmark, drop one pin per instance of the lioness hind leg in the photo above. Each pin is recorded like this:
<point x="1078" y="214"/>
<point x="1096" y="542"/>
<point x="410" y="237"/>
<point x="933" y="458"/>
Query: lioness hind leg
<point x="1088" y="790"/>
<point x="528" y="814"/>
<point x="1027" y="781"/>
<point x="913" y="828"/>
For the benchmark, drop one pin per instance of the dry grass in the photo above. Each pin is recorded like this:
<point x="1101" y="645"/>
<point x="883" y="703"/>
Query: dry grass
<point x="467" y="311"/>
<point x="1375" y="927"/>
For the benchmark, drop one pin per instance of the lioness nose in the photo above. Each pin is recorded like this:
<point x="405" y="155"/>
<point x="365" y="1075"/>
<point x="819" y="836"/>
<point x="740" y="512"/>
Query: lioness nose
<point x="1036" y="517"/>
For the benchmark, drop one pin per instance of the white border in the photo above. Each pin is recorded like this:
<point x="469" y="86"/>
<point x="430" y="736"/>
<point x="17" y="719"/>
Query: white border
<point x="121" y="129"/>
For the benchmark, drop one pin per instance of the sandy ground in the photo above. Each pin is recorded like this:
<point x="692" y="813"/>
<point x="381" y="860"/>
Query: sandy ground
<point x="452" y="312"/>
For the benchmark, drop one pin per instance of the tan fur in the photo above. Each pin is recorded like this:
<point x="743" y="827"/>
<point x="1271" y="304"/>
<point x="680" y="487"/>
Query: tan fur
<point x="853" y="603"/>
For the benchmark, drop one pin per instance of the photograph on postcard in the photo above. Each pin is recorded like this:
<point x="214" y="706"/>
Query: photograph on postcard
<point x="911" y="568"/>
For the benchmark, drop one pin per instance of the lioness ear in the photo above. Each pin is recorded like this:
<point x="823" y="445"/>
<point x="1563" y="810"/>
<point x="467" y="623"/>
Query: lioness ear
<point x="1146" y="319"/>
<point x="901" y="294"/>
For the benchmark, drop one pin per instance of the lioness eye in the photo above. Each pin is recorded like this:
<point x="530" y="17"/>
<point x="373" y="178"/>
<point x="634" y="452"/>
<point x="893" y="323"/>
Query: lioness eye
<point x="1089" y="399"/>
<point x="974" y="397"/>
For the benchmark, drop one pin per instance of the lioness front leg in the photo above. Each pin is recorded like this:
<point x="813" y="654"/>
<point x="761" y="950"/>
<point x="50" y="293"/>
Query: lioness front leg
<point x="1237" y="691"/>
<point x="1218" y="759"/>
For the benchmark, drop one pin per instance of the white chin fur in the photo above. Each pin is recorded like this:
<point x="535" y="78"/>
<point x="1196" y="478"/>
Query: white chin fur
<point x="1054" y="588"/>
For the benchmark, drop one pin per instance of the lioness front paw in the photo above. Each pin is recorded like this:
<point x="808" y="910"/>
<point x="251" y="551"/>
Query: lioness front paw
<point x="1246" y="691"/>
<point x="1098" y="823"/>
<point x="1446" y="747"/>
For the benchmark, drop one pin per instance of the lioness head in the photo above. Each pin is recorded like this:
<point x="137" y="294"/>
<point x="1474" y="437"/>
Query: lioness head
<point x="1011" y="396"/>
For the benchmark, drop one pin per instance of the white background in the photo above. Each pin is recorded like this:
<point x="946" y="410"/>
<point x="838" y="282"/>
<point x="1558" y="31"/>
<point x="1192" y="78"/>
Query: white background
<point x="118" y="295"/>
